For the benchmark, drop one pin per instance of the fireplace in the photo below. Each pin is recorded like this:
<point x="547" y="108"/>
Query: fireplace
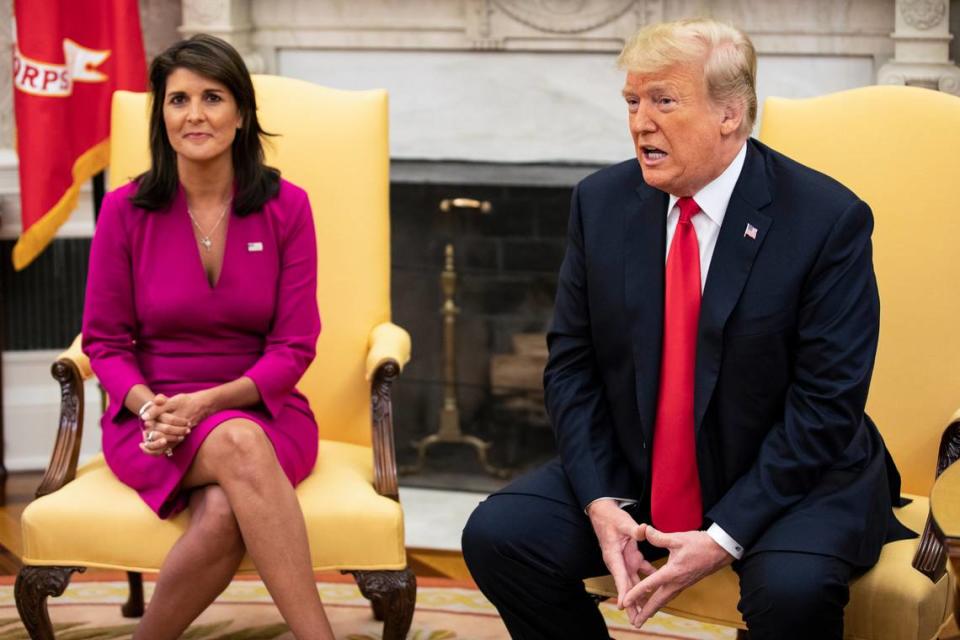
<point x="506" y="263"/>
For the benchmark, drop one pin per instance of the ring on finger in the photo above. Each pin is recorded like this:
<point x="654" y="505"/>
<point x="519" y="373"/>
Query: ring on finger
<point x="148" y="436"/>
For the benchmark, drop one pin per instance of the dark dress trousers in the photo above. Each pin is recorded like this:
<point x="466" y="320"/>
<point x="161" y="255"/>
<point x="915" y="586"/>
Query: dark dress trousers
<point x="789" y="463"/>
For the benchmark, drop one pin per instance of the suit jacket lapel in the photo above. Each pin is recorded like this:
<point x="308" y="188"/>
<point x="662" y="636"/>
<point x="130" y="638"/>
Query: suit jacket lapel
<point x="645" y="228"/>
<point x="730" y="266"/>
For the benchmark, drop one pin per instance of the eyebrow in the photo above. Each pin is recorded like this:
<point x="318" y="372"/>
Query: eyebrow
<point x="181" y="91"/>
<point x="653" y="86"/>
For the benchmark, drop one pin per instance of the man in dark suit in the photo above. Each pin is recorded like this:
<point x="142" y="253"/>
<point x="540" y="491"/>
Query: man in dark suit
<point x="714" y="335"/>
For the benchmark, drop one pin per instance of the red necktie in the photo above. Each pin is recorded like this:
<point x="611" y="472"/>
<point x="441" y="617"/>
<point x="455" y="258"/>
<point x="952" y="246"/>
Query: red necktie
<point x="675" y="484"/>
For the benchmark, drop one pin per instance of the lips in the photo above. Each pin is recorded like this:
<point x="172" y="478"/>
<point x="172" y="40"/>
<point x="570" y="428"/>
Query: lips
<point x="653" y="153"/>
<point x="197" y="135"/>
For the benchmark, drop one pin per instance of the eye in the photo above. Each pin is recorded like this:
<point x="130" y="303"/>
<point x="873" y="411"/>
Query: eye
<point x="665" y="101"/>
<point x="213" y="97"/>
<point x="177" y="98"/>
<point x="632" y="104"/>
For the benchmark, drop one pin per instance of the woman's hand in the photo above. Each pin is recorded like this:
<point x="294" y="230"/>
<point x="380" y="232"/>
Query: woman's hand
<point x="170" y="420"/>
<point x="181" y="410"/>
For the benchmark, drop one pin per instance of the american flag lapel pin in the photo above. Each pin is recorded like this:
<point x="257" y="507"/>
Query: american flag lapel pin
<point x="750" y="232"/>
<point x="254" y="247"/>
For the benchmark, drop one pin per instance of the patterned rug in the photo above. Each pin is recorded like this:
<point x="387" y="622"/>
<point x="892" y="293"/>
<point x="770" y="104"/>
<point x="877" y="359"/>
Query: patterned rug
<point x="446" y="610"/>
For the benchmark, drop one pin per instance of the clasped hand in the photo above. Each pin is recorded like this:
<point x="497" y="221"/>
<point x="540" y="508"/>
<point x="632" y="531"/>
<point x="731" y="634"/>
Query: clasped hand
<point x="169" y="420"/>
<point x="693" y="555"/>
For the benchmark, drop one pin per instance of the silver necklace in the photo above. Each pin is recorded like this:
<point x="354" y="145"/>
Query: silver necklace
<point x="205" y="236"/>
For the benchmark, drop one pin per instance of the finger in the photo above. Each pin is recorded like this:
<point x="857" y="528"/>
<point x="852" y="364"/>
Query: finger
<point x="636" y="563"/>
<point x="157" y="444"/>
<point x="655" y="603"/>
<point x="659" y="538"/>
<point x="160" y="399"/>
<point x="645" y="567"/>
<point x="642" y="591"/>
<point x="149" y="452"/>
<point x="171" y="430"/>
<point x="173" y="420"/>
<point x="154" y="440"/>
<point x="613" y="558"/>
<point x="628" y="527"/>
<point x="619" y="572"/>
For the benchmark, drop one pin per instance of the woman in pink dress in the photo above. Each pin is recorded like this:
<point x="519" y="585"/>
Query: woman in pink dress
<point x="200" y="317"/>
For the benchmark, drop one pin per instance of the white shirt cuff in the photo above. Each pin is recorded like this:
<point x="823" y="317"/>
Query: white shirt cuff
<point x="621" y="502"/>
<point x="723" y="539"/>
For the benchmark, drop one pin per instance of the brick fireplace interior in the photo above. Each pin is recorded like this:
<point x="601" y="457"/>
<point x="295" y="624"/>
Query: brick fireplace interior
<point x="506" y="265"/>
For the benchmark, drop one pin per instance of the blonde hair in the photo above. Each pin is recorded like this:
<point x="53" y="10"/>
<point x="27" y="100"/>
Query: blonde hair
<point x="726" y="53"/>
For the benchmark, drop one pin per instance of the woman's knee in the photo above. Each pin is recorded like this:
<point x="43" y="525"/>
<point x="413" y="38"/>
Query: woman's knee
<point x="239" y="449"/>
<point x="213" y="516"/>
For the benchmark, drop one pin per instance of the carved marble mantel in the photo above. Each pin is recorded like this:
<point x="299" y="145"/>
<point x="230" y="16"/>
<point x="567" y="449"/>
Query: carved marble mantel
<point x="922" y="47"/>
<point x="227" y="19"/>
<point x="792" y="27"/>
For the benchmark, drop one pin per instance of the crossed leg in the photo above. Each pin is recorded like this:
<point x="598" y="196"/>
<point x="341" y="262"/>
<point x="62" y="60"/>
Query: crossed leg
<point x="237" y="462"/>
<point x="206" y="557"/>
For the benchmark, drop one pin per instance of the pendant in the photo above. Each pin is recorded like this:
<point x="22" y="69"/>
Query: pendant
<point x="207" y="243"/>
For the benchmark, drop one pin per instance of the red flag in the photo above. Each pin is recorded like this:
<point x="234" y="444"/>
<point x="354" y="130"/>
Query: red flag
<point x="69" y="58"/>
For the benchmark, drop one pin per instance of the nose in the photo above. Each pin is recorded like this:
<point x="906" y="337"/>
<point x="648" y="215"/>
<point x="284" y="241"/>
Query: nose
<point x="641" y="120"/>
<point x="195" y="112"/>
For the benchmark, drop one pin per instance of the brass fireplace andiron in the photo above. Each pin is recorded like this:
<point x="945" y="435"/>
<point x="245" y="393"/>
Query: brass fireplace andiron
<point x="449" y="431"/>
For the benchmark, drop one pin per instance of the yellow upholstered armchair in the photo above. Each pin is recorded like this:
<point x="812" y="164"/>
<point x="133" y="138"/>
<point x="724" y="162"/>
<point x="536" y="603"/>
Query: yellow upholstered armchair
<point x="896" y="148"/>
<point x="334" y="145"/>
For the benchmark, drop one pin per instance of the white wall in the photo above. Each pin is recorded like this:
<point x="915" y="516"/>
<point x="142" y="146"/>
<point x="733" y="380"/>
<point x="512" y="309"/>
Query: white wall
<point x="31" y="411"/>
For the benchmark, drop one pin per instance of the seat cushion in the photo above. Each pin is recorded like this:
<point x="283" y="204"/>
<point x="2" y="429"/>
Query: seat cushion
<point x="97" y="521"/>
<point x="890" y="601"/>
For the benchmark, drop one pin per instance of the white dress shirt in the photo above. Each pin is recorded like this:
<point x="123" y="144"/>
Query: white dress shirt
<point x="713" y="200"/>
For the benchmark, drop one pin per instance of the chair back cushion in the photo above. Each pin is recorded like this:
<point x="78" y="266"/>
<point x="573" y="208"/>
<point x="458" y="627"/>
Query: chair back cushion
<point x="896" y="147"/>
<point x="333" y="144"/>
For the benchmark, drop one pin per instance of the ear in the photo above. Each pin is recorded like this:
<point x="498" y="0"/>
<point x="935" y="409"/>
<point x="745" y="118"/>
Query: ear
<point x="732" y="116"/>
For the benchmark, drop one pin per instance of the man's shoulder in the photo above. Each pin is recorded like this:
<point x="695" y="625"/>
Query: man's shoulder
<point x="612" y="181"/>
<point x="798" y="183"/>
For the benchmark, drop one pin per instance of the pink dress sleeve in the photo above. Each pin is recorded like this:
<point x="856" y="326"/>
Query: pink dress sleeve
<point x="109" y="317"/>
<point x="292" y="341"/>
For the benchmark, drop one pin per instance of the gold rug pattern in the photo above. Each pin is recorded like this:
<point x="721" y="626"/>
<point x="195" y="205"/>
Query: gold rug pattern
<point x="90" y="610"/>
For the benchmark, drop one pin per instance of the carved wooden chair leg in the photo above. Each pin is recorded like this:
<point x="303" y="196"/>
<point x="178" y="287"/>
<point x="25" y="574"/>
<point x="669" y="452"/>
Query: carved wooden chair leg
<point x="393" y="595"/>
<point x="133" y="607"/>
<point x="34" y="585"/>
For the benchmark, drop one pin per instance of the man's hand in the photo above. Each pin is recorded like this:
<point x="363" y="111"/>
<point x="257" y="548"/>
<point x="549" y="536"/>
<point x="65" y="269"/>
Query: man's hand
<point x="618" y="535"/>
<point x="693" y="555"/>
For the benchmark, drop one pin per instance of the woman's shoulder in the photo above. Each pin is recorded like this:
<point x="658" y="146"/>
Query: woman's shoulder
<point x="290" y="204"/>
<point x="122" y="195"/>
<point x="291" y="194"/>
<point x="117" y="206"/>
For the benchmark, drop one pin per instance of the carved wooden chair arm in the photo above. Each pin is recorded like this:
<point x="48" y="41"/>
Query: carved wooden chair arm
<point x="387" y="342"/>
<point x="389" y="351"/>
<point x="71" y="368"/>
<point x="931" y="556"/>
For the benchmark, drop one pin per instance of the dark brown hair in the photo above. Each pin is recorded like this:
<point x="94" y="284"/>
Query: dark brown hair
<point x="215" y="59"/>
